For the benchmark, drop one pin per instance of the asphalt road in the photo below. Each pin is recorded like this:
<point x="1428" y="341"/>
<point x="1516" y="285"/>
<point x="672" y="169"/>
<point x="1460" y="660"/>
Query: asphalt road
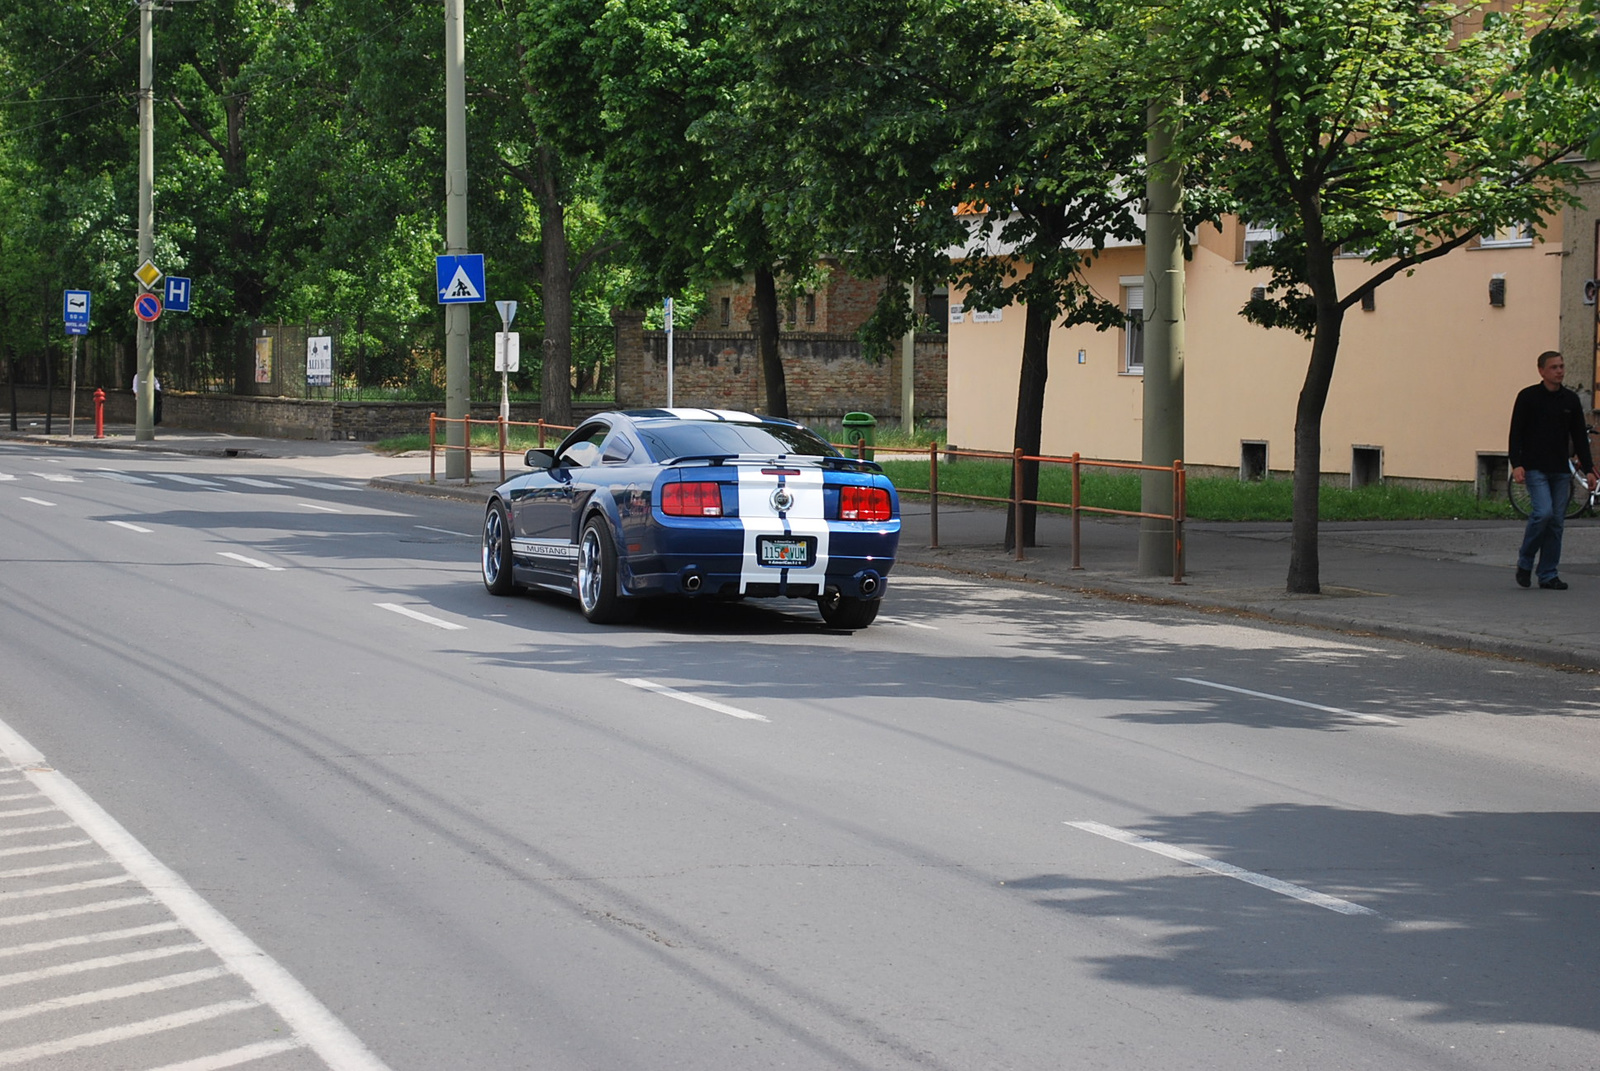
<point x="281" y="786"/>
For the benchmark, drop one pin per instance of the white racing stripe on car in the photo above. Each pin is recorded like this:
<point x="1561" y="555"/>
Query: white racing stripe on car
<point x="761" y="518"/>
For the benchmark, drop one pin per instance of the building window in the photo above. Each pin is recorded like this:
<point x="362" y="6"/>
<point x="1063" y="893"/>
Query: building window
<point x="938" y="308"/>
<point x="727" y="312"/>
<point x="1257" y="235"/>
<point x="811" y="309"/>
<point x="1133" y="330"/>
<point x="789" y="310"/>
<point x="1512" y="234"/>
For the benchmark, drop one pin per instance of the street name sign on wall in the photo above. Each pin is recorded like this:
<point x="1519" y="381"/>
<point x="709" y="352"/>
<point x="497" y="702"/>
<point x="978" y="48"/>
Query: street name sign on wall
<point x="319" y="361"/>
<point x="460" y="279"/>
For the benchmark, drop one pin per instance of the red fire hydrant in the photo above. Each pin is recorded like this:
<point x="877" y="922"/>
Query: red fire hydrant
<point x="99" y="413"/>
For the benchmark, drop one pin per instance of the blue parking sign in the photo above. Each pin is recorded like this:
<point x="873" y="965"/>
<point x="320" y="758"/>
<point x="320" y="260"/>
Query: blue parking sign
<point x="177" y="294"/>
<point x="460" y="279"/>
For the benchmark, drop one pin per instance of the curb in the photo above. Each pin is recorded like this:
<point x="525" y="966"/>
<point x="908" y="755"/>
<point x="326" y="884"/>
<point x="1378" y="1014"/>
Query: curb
<point x="163" y="446"/>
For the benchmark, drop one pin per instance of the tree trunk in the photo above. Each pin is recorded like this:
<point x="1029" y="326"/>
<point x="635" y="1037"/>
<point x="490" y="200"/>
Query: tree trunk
<point x="1029" y="433"/>
<point x="1304" y="566"/>
<point x="555" y="384"/>
<point x="767" y="343"/>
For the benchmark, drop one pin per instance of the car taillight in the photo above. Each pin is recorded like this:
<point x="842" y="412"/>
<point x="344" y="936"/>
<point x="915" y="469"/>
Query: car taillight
<point x="691" y="499"/>
<point x="863" y="503"/>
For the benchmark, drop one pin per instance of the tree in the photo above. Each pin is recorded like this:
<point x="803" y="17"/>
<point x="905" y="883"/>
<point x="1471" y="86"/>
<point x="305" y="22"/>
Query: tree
<point x="1392" y="129"/>
<point x="922" y="126"/>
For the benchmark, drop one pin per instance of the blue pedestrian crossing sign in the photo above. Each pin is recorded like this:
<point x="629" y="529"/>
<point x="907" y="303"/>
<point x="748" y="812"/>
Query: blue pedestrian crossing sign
<point x="177" y="294"/>
<point x="460" y="279"/>
<point x="75" y="307"/>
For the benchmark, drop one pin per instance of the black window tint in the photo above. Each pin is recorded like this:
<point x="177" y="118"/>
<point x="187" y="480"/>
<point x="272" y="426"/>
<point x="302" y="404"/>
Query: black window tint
<point x="695" y="437"/>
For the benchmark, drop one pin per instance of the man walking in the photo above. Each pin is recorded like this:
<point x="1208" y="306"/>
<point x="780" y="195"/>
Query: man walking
<point x="1547" y="428"/>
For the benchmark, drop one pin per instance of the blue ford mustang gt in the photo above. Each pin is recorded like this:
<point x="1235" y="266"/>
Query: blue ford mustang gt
<point x="696" y="502"/>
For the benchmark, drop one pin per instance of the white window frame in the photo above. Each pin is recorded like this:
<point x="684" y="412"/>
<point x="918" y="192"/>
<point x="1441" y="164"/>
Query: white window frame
<point x="1132" y="325"/>
<point x="1507" y="237"/>
<point x="1255" y="234"/>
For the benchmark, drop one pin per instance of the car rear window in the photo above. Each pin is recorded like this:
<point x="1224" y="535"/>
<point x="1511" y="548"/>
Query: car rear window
<point x="694" y="437"/>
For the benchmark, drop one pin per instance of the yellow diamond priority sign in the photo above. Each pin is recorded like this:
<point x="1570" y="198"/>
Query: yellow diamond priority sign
<point x="148" y="274"/>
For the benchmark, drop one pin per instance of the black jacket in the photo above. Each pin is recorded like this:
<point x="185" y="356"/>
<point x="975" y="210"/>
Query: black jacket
<point x="1546" y="429"/>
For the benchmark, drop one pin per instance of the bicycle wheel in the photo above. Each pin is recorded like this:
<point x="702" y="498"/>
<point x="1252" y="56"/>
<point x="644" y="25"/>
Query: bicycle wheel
<point x="1521" y="504"/>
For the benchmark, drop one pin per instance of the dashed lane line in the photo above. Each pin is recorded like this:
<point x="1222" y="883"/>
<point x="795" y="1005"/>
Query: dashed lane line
<point x="693" y="700"/>
<point x="255" y="562"/>
<point x="417" y="615"/>
<point x="1377" y="719"/>
<point x="37" y="501"/>
<point x="1227" y="870"/>
<point x="130" y="526"/>
<point x="123" y="477"/>
<point x="324" y="509"/>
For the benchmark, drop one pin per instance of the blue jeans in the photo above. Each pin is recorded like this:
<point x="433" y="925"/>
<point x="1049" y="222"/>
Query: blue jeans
<point x="1548" y="493"/>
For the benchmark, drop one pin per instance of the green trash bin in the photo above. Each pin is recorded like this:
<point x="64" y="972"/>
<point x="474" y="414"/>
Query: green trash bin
<point x="861" y="430"/>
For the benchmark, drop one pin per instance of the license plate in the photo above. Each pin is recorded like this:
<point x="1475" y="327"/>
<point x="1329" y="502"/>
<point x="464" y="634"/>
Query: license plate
<point x="792" y="553"/>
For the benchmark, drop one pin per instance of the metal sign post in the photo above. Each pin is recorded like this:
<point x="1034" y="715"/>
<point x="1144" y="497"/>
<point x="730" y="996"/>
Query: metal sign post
<point x="667" y="307"/>
<point x="505" y="358"/>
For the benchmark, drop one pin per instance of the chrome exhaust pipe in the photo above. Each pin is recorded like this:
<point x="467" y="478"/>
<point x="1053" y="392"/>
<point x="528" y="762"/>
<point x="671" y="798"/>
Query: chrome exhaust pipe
<point x="691" y="583"/>
<point x="869" y="585"/>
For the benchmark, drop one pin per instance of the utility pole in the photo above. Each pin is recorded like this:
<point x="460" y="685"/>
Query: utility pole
<point x="457" y="319"/>
<point x="1163" y="337"/>
<point x="908" y="369"/>
<point x="144" y="405"/>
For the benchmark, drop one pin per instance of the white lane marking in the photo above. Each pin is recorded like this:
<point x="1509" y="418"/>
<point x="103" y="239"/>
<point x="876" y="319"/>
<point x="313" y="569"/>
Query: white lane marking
<point x="37" y="501"/>
<point x="446" y="531"/>
<point x="31" y="849"/>
<point x="250" y="481"/>
<point x="1377" y="718"/>
<point x="6" y="476"/>
<point x="91" y="938"/>
<point x="234" y="1057"/>
<point x="175" y="1021"/>
<point x="310" y="1020"/>
<point x="36" y="829"/>
<point x="61" y="970"/>
<point x="20" y="796"/>
<point x="57" y="890"/>
<point x="123" y="477"/>
<point x="685" y="697"/>
<point x="56" y="477"/>
<point x="73" y="912"/>
<point x="320" y="484"/>
<point x="325" y="509"/>
<point x="1227" y="870"/>
<point x="130" y="526"/>
<point x="26" y="810"/>
<point x="907" y="622"/>
<point x="190" y="480"/>
<point x="257" y="562"/>
<point x="53" y="868"/>
<point x="101" y="996"/>
<point x="395" y="607"/>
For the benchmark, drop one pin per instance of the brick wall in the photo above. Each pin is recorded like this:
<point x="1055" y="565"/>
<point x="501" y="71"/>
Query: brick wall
<point x="825" y="374"/>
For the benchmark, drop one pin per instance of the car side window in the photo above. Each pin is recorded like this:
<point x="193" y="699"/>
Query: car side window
<point x="616" y="449"/>
<point x="584" y="449"/>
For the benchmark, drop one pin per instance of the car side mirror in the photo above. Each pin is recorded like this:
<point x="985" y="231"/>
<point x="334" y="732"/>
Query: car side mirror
<point x="540" y="459"/>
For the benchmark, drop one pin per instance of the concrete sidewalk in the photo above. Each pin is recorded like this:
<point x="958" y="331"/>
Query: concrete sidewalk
<point x="1441" y="583"/>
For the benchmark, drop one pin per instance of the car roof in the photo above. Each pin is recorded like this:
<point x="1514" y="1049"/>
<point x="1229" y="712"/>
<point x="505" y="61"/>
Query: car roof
<point x="726" y="416"/>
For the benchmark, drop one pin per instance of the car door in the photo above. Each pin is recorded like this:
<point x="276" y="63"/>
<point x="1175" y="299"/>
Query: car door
<point x="543" y="509"/>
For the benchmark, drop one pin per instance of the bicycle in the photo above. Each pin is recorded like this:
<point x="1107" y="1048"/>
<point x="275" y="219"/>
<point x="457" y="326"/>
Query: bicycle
<point x="1581" y="503"/>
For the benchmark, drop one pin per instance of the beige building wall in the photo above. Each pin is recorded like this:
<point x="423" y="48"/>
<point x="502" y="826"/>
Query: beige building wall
<point x="1427" y="376"/>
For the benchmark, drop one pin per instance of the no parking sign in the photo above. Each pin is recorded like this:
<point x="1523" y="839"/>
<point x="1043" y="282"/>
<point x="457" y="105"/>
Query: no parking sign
<point x="147" y="307"/>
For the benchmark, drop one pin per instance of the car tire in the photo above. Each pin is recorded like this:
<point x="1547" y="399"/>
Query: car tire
<point x="497" y="562"/>
<point x="842" y="611"/>
<point x="598" y="596"/>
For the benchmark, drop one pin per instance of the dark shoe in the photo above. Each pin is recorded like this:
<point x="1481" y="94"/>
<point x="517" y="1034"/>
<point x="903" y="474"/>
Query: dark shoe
<point x="1524" y="577"/>
<point x="1555" y="583"/>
